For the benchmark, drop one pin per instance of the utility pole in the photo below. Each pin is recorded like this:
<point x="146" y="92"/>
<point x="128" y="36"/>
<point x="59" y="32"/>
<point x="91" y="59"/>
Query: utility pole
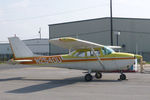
<point x="111" y="23"/>
<point x="40" y="32"/>
<point x="49" y="42"/>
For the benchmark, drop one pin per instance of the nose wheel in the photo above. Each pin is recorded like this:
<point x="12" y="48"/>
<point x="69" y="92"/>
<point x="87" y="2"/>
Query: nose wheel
<point x="122" y="77"/>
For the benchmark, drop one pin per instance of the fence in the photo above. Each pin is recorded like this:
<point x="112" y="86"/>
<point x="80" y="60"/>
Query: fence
<point x="5" y="57"/>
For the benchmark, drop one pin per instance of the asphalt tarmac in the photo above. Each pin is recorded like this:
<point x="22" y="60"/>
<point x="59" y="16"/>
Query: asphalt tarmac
<point x="18" y="82"/>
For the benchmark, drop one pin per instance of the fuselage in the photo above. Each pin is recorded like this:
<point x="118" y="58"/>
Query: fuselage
<point x="111" y="62"/>
<point x="85" y="56"/>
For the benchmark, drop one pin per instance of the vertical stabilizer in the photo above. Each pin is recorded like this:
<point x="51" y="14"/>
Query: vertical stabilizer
<point x="19" y="49"/>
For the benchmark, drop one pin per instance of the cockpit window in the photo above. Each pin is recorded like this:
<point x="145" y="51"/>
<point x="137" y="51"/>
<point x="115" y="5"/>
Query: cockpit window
<point x="107" y="51"/>
<point x="80" y="54"/>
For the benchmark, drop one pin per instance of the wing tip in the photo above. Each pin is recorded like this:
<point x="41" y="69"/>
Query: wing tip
<point x="64" y="39"/>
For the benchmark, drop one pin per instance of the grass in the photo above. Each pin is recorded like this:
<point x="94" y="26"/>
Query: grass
<point x="147" y="62"/>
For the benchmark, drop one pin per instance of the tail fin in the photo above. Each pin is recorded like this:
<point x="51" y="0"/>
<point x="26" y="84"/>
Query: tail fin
<point x="19" y="49"/>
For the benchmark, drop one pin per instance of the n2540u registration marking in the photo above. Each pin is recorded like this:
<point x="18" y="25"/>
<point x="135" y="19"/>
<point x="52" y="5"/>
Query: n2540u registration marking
<point x="46" y="60"/>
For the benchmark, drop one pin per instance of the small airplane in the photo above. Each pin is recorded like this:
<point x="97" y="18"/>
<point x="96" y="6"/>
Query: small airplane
<point x="83" y="55"/>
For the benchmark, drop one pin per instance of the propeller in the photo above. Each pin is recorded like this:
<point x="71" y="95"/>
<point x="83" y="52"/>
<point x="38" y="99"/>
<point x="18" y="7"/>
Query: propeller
<point x="141" y="62"/>
<point x="141" y="65"/>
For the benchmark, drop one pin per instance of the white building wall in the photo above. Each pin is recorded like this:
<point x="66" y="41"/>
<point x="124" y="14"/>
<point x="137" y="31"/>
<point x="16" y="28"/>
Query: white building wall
<point x="37" y="46"/>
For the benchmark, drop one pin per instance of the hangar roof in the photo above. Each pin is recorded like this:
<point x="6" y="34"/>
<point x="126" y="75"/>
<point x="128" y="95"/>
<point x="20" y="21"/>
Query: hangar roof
<point x="99" y="19"/>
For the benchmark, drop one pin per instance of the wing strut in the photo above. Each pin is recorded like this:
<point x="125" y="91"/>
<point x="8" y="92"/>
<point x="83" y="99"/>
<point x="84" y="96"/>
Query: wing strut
<point x="99" y="60"/>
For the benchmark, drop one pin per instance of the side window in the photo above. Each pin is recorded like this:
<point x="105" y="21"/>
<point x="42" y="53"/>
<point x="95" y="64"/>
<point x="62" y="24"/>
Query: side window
<point x="80" y="54"/>
<point x="91" y="53"/>
<point x="97" y="52"/>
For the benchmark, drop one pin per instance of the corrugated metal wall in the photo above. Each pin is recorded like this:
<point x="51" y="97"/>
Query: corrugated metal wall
<point x="135" y="33"/>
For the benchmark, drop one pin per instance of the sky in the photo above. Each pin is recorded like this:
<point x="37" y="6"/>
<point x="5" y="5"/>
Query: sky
<point x="25" y="17"/>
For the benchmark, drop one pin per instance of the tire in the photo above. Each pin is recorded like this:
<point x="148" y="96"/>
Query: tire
<point x="122" y="77"/>
<point x="88" y="77"/>
<point x="98" y="75"/>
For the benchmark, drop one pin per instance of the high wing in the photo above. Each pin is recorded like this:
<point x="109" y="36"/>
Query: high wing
<point x="73" y="43"/>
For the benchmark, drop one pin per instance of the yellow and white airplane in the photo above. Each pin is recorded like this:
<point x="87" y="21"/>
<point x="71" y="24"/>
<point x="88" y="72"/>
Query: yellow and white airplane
<point x="83" y="55"/>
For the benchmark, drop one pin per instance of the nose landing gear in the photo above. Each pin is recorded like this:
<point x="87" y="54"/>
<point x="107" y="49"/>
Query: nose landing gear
<point x="122" y="76"/>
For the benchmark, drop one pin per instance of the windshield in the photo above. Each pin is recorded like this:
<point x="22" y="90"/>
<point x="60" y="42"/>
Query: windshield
<point x="107" y="50"/>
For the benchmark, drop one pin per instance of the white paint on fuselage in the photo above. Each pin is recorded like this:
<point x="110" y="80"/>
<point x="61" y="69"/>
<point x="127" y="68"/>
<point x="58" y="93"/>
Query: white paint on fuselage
<point x="110" y="65"/>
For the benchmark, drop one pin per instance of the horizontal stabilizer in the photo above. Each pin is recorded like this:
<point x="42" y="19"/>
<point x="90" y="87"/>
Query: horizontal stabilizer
<point x="23" y="60"/>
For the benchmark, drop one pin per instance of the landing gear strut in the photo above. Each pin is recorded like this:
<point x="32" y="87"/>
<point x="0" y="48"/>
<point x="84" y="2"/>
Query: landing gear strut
<point x="98" y="75"/>
<point x="122" y="76"/>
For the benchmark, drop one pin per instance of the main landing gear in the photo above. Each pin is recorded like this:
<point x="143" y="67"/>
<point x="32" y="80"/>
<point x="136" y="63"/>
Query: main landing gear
<point x="89" y="77"/>
<point x="98" y="75"/>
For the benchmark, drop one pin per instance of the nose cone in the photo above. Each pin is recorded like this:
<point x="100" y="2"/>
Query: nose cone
<point x="128" y="55"/>
<point x="138" y="56"/>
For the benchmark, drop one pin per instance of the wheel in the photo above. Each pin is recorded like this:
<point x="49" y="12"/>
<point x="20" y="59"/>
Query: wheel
<point x="88" y="77"/>
<point x="122" y="77"/>
<point x="98" y="75"/>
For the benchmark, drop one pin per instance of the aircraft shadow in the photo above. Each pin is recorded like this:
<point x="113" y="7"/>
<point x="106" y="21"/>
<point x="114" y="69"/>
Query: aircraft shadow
<point x="52" y="83"/>
<point x="146" y="72"/>
<point x="10" y="79"/>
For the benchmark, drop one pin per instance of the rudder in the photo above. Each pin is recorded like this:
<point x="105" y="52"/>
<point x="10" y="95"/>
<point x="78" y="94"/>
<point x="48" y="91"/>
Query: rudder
<point x="19" y="49"/>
